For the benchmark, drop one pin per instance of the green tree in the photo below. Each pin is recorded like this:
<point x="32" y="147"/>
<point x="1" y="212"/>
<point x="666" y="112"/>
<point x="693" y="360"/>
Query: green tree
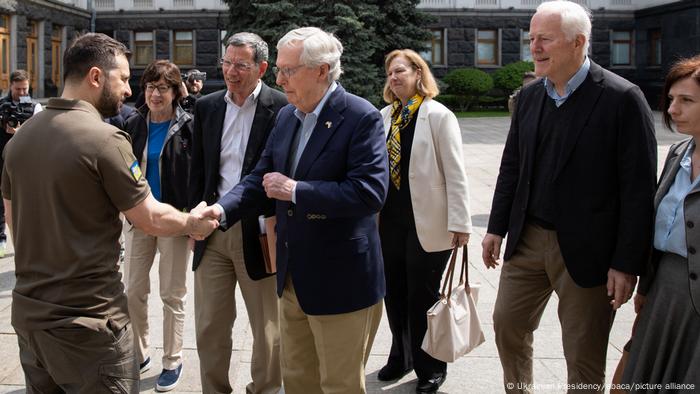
<point x="367" y="29"/>
<point x="510" y="77"/>
<point x="401" y="25"/>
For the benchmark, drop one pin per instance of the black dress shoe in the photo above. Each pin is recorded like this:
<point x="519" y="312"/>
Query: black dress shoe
<point x="430" y="386"/>
<point x="392" y="372"/>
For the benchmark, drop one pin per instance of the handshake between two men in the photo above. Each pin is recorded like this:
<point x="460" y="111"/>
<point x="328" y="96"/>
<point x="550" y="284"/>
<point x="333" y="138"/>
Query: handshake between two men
<point x="276" y="185"/>
<point x="201" y="222"/>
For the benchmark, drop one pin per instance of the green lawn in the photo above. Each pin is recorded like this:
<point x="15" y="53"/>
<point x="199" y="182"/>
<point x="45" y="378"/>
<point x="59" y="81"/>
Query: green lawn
<point x="482" y="114"/>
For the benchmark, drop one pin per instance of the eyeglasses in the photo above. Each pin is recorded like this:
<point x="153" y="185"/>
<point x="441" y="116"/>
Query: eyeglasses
<point x="162" y="89"/>
<point x="239" y="66"/>
<point x="287" y="72"/>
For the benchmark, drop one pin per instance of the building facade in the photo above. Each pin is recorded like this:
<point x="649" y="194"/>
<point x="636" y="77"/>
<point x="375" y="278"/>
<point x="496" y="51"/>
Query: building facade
<point x="33" y="36"/>
<point x="637" y="39"/>
<point x="188" y="32"/>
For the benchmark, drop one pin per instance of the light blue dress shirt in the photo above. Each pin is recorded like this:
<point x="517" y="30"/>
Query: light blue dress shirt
<point x="669" y="229"/>
<point x="571" y="86"/>
<point x="308" y="123"/>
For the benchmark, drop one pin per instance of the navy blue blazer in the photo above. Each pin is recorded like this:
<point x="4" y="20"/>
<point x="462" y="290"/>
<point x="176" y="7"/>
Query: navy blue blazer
<point x="328" y="241"/>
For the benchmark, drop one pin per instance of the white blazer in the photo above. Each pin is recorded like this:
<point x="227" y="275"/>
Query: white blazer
<point x="437" y="176"/>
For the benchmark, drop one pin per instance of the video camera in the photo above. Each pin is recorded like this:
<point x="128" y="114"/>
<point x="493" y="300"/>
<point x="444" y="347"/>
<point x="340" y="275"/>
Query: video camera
<point x="194" y="76"/>
<point x="13" y="115"/>
<point x="187" y="103"/>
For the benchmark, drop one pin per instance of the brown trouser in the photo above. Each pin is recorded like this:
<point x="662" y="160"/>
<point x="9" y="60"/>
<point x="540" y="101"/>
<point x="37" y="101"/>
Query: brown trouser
<point x="215" y="280"/>
<point x="76" y="359"/>
<point x="325" y="353"/>
<point x="527" y="280"/>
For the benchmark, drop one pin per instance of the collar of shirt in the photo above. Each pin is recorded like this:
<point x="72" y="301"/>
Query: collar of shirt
<point x="317" y="111"/>
<point x="571" y="86"/>
<point x="686" y="161"/>
<point x="250" y="99"/>
<point x="669" y="222"/>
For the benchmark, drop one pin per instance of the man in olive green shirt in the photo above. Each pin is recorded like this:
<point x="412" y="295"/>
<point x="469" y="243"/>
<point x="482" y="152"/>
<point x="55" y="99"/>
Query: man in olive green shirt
<point x="67" y="176"/>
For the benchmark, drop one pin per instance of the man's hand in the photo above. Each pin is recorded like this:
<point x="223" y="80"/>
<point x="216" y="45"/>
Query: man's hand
<point x="620" y="287"/>
<point x="459" y="239"/>
<point x="639" y="301"/>
<point x="11" y="130"/>
<point x="204" y="211"/>
<point x="278" y="186"/>
<point x="491" y="249"/>
<point x="203" y="221"/>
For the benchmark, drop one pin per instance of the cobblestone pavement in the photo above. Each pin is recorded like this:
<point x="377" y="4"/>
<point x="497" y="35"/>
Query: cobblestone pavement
<point x="478" y="372"/>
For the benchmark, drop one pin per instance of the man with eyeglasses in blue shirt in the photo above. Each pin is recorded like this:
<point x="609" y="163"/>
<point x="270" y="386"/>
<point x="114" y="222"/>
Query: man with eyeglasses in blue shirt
<point x="231" y="128"/>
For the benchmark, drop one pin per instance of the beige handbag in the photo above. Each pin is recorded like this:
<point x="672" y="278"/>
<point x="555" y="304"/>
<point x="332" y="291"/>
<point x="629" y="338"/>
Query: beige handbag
<point x="454" y="328"/>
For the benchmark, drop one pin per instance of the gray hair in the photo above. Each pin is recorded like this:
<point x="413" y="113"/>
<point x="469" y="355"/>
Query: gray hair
<point x="575" y="19"/>
<point x="318" y="47"/>
<point x="253" y="41"/>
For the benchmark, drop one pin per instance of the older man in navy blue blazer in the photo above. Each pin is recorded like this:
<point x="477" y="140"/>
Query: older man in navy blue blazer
<point x="325" y="163"/>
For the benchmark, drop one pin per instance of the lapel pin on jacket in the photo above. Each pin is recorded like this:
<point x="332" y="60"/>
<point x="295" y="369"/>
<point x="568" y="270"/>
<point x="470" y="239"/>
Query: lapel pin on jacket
<point x="329" y="124"/>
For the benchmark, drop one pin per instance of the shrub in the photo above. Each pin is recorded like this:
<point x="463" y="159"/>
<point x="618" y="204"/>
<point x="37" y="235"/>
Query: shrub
<point x="510" y="77"/>
<point x="457" y="103"/>
<point x="468" y="84"/>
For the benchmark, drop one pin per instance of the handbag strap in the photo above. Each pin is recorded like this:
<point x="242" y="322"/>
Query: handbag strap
<point x="447" y="284"/>
<point x="464" y="273"/>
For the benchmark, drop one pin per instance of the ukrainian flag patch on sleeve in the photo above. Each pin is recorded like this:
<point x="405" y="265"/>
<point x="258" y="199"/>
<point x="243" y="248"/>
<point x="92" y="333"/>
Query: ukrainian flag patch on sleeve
<point x="136" y="170"/>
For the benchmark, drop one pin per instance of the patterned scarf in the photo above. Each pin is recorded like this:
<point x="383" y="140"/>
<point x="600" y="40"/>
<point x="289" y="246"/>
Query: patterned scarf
<point x="400" y="118"/>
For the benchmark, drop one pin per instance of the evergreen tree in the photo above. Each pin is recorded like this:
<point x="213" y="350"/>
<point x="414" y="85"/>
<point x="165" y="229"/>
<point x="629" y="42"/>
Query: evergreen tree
<point x="367" y="29"/>
<point x="401" y="26"/>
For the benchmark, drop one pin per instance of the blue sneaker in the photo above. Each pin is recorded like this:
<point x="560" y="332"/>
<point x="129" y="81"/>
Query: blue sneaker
<point x="169" y="378"/>
<point x="145" y="365"/>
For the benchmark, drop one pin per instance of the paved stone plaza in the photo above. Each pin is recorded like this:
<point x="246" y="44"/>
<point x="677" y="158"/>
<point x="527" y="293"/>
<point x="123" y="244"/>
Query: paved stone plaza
<point x="478" y="372"/>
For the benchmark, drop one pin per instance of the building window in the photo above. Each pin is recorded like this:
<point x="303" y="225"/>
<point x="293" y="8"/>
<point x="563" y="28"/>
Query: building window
<point x="487" y="50"/>
<point x="4" y="52"/>
<point x="435" y="48"/>
<point x="33" y="53"/>
<point x="183" y="53"/>
<point x="655" y="47"/>
<point x="525" y="53"/>
<point x="56" y="58"/>
<point x="222" y="36"/>
<point x="621" y="48"/>
<point x="143" y="4"/>
<point x="143" y="48"/>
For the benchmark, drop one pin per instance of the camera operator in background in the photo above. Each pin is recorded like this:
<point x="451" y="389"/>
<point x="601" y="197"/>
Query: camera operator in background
<point x="194" y="82"/>
<point x="17" y="106"/>
<point x="15" y="109"/>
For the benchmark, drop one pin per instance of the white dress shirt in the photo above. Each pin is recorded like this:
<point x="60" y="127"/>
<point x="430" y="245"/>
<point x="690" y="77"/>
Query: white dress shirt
<point x="234" y="139"/>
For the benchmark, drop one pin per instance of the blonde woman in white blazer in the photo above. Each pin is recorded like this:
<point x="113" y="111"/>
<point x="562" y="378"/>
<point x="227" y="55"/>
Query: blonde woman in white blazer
<point x="426" y="212"/>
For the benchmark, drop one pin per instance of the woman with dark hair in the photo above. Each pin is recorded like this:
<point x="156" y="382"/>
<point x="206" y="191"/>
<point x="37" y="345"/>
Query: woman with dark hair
<point x="666" y="345"/>
<point x="426" y="212"/>
<point x="161" y="135"/>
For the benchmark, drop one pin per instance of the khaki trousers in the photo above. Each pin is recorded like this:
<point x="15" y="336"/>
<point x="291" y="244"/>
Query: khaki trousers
<point x="139" y="253"/>
<point x="527" y="280"/>
<point x="215" y="280"/>
<point x="78" y="360"/>
<point x="325" y="353"/>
